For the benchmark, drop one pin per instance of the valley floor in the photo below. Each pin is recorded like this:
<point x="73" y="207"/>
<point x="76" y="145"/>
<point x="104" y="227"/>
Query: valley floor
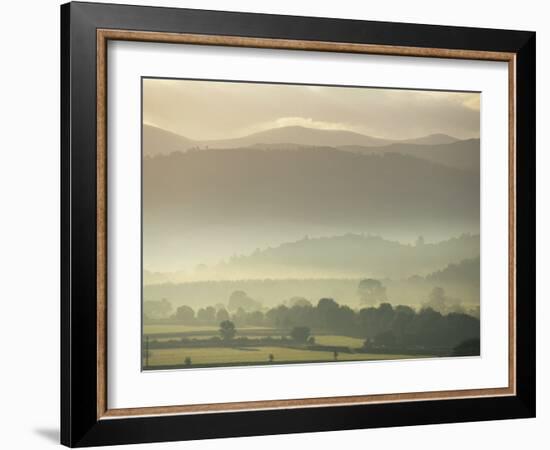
<point x="328" y="348"/>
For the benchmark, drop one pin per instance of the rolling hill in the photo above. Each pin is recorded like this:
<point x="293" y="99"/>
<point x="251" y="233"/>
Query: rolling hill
<point x="463" y="155"/>
<point x="310" y="185"/>
<point x="358" y="256"/>
<point x="460" y="279"/>
<point x="300" y="136"/>
<point x="157" y="141"/>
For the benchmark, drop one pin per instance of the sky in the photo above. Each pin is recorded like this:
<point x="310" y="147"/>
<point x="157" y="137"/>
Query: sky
<point x="204" y="110"/>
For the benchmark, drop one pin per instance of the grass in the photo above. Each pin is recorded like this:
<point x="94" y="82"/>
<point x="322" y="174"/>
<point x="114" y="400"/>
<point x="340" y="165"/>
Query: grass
<point x="223" y="355"/>
<point x="339" y="341"/>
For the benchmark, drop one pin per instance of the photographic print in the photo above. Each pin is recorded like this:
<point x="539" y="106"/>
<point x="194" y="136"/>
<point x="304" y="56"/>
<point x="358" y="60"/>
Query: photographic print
<point x="307" y="224"/>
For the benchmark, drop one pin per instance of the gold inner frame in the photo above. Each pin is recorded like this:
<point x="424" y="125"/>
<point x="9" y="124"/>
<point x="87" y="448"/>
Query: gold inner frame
<point x="104" y="35"/>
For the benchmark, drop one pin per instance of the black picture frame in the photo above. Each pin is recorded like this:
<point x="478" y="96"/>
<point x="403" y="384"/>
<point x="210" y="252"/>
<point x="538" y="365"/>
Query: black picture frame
<point x="80" y="425"/>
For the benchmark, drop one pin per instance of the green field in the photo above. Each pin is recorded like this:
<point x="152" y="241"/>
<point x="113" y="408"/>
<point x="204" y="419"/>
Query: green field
<point x="340" y="341"/>
<point x="250" y="355"/>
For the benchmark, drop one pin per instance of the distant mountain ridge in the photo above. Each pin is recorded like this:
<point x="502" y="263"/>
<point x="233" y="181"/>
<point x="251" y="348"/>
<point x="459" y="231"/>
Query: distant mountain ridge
<point x="465" y="271"/>
<point x="463" y="155"/>
<point x="232" y="200"/>
<point x="301" y="191"/>
<point x="159" y="141"/>
<point x="311" y="185"/>
<point x="354" y="255"/>
<point x="301" y="136"/>
<point x="430" y="139"/>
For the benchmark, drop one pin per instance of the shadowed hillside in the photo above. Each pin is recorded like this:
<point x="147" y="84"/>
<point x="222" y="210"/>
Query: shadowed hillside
<point x="460" y="155"/>
<point x="318" y="185"/>
<point x="357" y="256"/>
<point x="460" y="281"/>
<point x="157" y="141"/>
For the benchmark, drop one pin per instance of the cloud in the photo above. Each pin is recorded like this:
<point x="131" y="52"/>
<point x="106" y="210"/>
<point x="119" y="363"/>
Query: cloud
<point x="307" y="122"/>
<point x="204" y="110"/>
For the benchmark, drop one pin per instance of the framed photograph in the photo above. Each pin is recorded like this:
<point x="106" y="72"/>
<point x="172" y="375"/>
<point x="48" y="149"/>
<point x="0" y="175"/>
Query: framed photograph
<point x="277" y="224"/>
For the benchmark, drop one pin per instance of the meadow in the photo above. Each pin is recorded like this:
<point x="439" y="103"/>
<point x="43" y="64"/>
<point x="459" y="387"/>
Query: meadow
<point x="188" y="355"/>
<point x="219" y="356"/>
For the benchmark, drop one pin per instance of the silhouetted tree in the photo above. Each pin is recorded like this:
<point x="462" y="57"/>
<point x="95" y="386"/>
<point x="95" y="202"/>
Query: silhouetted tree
<point x="255" y="318"/>
<point x="299" y="301"/>
<point x="469" y="347"/>
<point x="385" y="338"/>
<point x="327" y="309"/>
<point x="157" y="309"/>
<point x="222" y="315"/>
<point x="280" y="317"/>
<point x="240" y="299"/>
<point x="300" y="334"/>
<point x="185" y="314"/>
<point x="227" y="330"/>
<point x="371" y="291"/>
<point x="439" y="301"/>
<point x="207" y="315"/>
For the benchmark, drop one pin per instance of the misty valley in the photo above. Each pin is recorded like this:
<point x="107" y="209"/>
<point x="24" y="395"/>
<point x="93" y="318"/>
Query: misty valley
<point x="279" y="253"/>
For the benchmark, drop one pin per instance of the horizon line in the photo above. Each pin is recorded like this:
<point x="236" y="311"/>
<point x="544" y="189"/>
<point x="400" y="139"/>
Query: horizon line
<point x="388" y="139"/>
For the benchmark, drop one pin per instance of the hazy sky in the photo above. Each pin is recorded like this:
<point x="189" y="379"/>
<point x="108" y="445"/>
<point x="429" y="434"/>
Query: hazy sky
<point x="203" y="110"/>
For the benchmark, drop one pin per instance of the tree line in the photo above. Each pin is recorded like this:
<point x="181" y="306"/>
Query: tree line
<point x="385" y="324"/>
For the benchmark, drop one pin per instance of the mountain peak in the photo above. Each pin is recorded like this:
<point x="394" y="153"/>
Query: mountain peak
<point x="299" y="135"/>
<point x="159" y="141"/>
<point x="431" y="139"/>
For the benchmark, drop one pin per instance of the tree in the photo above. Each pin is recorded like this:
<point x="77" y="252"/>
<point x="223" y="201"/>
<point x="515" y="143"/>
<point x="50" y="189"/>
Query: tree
<point x="222" y="315"/>
<point x="240" y="299"/>
<point x="402" y="320"/>
<point x="271" y="357"/>
<point x="299" y="301"/>
<point x="157" y="309"/>
<point x="300" y="334"/>
<point x="187" y="361"/>
<point x="239" y="317"/>
<point x="279" y="316"/>
<point x="185" y="314"/>
<point x="439" y="301"/>
<point x="335" y="356"/>
<point x="327" y="310"/>
<point x="371" y="291"/>
<point x="469" y="347"/>
<point x="385" y="338"/>
<point x="207" y="315"/>
<point x="227" y="330"/>
<point x="255" y="318"/>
